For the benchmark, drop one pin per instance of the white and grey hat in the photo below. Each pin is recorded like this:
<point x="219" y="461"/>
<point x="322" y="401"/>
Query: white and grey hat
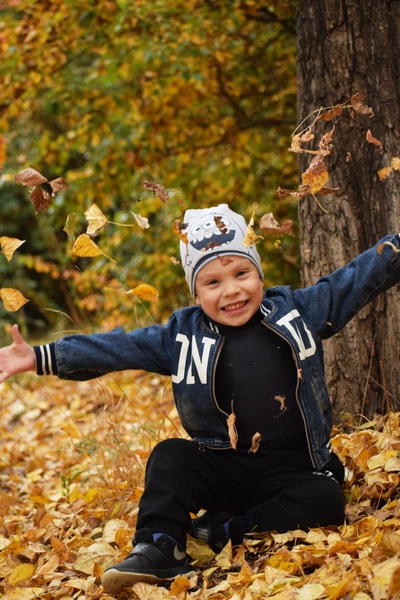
<point x="212" y="232"/>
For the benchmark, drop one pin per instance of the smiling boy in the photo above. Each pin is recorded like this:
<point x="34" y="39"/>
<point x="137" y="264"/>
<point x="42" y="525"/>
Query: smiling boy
<point x="238" y="355"/>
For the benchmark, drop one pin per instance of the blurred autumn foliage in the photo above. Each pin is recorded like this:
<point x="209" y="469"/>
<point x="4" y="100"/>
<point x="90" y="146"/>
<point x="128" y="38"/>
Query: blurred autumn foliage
<point x="199" y="97"/>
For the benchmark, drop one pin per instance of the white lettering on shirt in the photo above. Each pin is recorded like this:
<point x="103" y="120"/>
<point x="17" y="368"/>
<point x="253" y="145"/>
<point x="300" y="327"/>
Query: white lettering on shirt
<point x="304" y="351"/>
<point x="200" y="362"/>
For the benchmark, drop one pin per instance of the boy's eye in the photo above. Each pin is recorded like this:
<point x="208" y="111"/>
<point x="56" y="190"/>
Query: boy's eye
<point x="244" y="272"/>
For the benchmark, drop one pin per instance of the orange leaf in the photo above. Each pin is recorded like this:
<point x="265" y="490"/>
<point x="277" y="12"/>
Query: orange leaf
<point x="146" y="292"/>
<point x="316" y="175"/>
<point x="30" y="177"/>
<point x="372" y="140"/>
<point x="269" y="224"/>
<point x="179" y="228"/>
<point x="96" y="219"/>
<point x="231" y="429"/>
<point x="357" y="102"/>
<point x="330" y="114"/>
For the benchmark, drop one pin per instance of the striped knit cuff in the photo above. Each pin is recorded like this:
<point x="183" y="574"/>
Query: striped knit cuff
<point x="46" y="363"/>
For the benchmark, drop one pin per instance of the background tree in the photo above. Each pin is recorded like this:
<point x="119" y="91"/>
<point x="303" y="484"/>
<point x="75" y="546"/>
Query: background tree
<point x="345" y="47"/>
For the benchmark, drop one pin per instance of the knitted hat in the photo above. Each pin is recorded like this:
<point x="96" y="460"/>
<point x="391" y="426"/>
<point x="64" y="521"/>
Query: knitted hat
<point x="212" y="232"/>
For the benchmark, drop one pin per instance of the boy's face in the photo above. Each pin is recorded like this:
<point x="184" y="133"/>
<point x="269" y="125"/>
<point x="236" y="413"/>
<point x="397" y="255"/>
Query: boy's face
<point x="229" y="290"/>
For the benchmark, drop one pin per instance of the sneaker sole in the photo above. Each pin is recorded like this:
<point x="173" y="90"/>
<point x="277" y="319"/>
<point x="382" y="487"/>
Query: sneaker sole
<point x="114" y="580"/>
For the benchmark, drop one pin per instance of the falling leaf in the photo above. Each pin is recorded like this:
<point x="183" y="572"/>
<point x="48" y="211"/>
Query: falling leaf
<point x="143" y="222"/>
<point x="316" y="175"/>
<point x="357" y="102"/>
<point x="283" y="407"/>
<point x="385" y="172"/>
<point x="179" y="228"/>
<point x="336" y="111"/>
<point x="251" y="237"/>
<point x="269" y="224"/>
<point x="326" y="142"/>
<point x="21" y="572"/>
<point x="12" y="299"/>
<point x="145" y="292"/>
<point x="9" y="245"/>
<point x="283" y="192"/>
<point x="71" y="225"/>
<point x="372" y="140"/>
<point x="175" y="261"/>
<point x="157" y="189"/>
<point x="57" y="185"/>
<point x="41" y="199"/>
<point x="325" y="191"/>
<point x="255" y="442"/>
<point x="97" y="220"/>
<point x="231" y="429"/>
<point x="30" y="177"/>
<point x="287" y="227"/>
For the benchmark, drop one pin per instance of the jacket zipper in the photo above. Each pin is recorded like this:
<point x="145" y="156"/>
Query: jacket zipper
<point x="202" y="445"/>
<point x="297" y="387"/>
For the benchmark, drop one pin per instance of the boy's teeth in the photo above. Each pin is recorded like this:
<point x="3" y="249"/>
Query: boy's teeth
<point x="234" y="306"/>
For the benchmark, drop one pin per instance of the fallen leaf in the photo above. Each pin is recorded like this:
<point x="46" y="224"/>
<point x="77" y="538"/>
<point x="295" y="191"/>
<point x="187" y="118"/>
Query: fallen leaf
<point x="71" y="429"/>
<point x="21" y="572"/>
<point x="99" y="552"/>
<point x="385" y="579"/>
<point x="9" y="245"/>
<point x="13" y="300"/>
<point x="97" y="220"/>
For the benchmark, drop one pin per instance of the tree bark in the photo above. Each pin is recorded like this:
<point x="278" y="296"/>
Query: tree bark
<point x="345" y="47"/>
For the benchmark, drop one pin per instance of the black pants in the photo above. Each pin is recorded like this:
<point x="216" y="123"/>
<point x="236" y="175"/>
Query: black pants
<point x="270" y="490"/>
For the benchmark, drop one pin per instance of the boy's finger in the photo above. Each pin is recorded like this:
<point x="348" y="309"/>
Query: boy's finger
<point x="16" y="336"/>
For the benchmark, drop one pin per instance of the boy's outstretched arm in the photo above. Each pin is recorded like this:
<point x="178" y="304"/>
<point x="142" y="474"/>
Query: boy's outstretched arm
<point x="17" y="358"/>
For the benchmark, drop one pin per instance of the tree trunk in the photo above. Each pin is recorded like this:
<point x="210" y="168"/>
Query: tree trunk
<point x="345" y="47"/>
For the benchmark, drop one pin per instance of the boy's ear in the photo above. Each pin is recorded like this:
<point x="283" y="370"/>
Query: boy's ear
<point x="197" y="300"/>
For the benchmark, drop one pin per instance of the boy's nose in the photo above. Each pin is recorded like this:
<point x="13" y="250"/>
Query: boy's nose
<point x="231" y="287"/>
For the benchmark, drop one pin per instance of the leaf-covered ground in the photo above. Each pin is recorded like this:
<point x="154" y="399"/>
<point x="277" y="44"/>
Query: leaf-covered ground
<point x="72" y="459"/>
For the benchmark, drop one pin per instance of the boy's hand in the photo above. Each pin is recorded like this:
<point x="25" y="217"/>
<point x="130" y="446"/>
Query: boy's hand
<point x="17" y="358"/>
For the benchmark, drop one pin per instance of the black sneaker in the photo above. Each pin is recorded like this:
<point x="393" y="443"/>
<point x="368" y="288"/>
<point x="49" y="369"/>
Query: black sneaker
<point x="149" y="561"/>
<point x="209" y="528"/>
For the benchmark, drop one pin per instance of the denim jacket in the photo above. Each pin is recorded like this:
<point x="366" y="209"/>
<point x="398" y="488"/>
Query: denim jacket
<point x="188" y="346"/>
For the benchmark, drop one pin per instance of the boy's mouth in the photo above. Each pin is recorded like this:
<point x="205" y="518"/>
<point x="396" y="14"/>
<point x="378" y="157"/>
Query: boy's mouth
<point x="236" y="306"/>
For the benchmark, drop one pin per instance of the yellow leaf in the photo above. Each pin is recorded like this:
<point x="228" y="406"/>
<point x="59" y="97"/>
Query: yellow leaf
<point x="385" y="172"/>
<point x="97" y="220"/>
<point x="385" y="579"/>
<point x="316" y="175"/>
<point x="21" y="572"/>
<point x="310" y="591"/>
<point x="91" y="494"/>
<point x="143" y="222"/>
<point x="251" y="237"/>
<point x="145" y="292"/>
<point x="24" y="593"/>
<point x="71" y="429"/>
<point x="86" y="247"/>
<point x="111" y="528"/>
<point x="12" y="299"/>
<point x="98" y="552"/>
<point x="9" y="245"/>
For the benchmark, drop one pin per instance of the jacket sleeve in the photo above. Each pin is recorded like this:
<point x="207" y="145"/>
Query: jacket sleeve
<point x="336" y="298"/>
<point x="83" y="357"/>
